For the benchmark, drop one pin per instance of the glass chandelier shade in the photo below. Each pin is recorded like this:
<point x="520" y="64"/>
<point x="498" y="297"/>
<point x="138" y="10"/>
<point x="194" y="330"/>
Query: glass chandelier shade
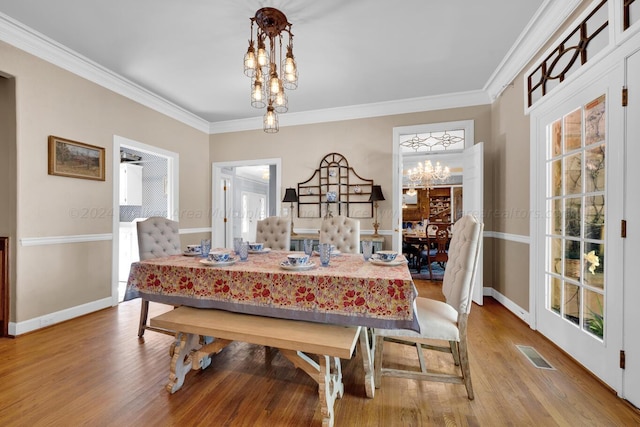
<point x="270" y="72"/>
<point x="270" y="121"/>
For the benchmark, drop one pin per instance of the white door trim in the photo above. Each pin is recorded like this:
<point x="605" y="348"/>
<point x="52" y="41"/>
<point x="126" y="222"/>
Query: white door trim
<point x="218" y="174"/>
<point x="173" y="197"/>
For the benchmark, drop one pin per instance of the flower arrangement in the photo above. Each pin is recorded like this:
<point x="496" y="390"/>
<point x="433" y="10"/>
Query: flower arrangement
<point x="593" y="260"/>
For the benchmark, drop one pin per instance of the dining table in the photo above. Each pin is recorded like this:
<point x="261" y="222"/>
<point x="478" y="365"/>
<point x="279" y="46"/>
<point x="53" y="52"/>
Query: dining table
<point x="349" y="291"/>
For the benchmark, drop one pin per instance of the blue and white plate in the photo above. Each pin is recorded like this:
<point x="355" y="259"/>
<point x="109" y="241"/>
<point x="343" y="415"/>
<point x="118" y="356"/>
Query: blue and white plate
<point x="263" y="251"/>
<point x="396" y="262"/>
<point x="286" y="266"/>
<point x="212" y="263"/>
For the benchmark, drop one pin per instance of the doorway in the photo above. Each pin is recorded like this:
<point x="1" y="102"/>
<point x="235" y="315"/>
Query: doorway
<point x="452" y="145"/>
<point x="157" y="195"/>
<point x="243" y="191"/>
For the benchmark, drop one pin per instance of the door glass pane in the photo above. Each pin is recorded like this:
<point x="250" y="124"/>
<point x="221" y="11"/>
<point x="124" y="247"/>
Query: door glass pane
<point x="576" y="166"/>
<point x="572" y="303"/>
<point x="555" y="294"/>
<point x="594" y="265"/>
<point x="572" y="216"/>
<point x="594" y="121"/>
<point x="556" y="178"/>
<point x="594" y="217"/>
<point x="595" y="169"/>
<point x="573" y="174"/>
<point x="572" y="130"/>
<point x="557" y="213"/>
<point x="556" y="256"/>
<point x="594" y="314"/>
<point x="556" y="138"/>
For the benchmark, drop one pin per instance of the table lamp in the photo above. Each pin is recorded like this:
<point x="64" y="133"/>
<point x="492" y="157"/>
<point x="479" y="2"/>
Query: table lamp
<point x="291" y="197"/>
<point x="376" y="194"/>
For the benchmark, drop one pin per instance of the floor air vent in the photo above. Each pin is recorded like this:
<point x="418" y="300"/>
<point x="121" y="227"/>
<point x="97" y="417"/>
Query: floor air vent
<point x="534" y="357"/>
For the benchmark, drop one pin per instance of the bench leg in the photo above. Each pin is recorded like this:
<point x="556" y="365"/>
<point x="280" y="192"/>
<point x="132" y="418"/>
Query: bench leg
<point x="367" y="361"/>
<point x="182" y="360"/>
<point x="191" y="351"/>
<point x="328" y="375"/>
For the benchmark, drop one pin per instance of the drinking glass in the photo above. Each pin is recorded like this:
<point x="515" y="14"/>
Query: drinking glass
<point x="308" y="246"/>
<point x="205" y="247"/>
<point x="237" y="241"/>
<point x="367" y="249"/>
<point x="244" y="251"/>
<point x="325" y="253"/>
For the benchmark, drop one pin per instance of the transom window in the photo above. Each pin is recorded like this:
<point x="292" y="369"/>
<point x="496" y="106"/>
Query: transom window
<point x="433" y="142"/>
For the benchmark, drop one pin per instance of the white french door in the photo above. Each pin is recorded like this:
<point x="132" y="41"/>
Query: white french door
<point x="631" y="343"/>
<point x="253" y="209"/>
<point x="578" y="205"/>
<point x="473" y="196"/>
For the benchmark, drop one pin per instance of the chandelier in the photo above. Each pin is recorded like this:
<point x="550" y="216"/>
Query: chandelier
<point x="270" y="72"/>
<point x="426" y="175"/>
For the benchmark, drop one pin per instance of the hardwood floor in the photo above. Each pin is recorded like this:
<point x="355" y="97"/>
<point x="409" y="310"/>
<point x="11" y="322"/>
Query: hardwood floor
<point x="94" y="371"/>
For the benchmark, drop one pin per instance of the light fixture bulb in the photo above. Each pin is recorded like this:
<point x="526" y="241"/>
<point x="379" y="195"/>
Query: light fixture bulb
<point x="263" y="58"/>
<point x="250" y="61"/>
<point x="271" y="117"/>
<point x="289" y="65"/>
<point x="274" y="84"/>
<point x="257" y="91"/>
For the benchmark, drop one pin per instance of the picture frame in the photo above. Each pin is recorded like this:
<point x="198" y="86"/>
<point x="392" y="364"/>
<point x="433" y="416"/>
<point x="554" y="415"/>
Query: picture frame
<point x="76" y="159"/>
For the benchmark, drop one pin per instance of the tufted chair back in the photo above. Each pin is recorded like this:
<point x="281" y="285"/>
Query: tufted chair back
<point x="342" y="232"/>
<point x="459" y="275"/>
<point x="274" y="232"/>
<point x="158" y="237"/>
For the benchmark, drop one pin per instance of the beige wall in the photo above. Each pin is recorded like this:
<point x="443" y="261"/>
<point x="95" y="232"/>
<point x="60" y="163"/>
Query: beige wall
<point x="507" y="168"/>
<point x="366" y="143"/>
<point x="52" y="101"/>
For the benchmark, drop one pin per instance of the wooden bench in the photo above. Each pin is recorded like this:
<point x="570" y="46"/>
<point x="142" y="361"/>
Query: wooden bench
<point x="203" y="332"/>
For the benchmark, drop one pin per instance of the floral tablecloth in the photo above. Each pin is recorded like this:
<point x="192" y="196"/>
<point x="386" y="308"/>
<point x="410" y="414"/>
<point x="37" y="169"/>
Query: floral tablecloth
<point x="349" y="291"/>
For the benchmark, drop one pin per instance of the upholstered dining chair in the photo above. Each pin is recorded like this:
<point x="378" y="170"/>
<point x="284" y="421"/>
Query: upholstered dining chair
<point x="157" y="237"/>
<point x="342" y="232"/>
<point x="274" y="232"/>
<point x="441" y="321"/>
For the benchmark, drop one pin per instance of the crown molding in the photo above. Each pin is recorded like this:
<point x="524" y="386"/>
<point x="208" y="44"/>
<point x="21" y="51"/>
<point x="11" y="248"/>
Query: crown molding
<point x="37" y="44"/>
<point x="547" y="20"/>
<point x="362" y="111"/>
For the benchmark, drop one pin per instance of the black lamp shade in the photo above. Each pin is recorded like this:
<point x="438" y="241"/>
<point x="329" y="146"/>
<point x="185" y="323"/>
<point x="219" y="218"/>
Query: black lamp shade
<point x="376" y="194"/>
<point x="290" y="195"/>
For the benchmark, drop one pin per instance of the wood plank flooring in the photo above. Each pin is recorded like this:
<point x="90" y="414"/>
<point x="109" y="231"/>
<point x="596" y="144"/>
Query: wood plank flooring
<point x="94" y="371"/>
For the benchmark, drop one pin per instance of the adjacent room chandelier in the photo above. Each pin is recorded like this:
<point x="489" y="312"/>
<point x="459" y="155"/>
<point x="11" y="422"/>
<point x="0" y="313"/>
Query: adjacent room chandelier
<point x="426" y="175"/>
<point x="270" y="72"/>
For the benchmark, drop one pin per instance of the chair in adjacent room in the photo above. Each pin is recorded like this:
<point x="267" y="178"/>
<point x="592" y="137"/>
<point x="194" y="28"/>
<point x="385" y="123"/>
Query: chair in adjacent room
<point x="274" y="232"/>
<point x="441" y="321"/>
<point x="437" y="250"/>
<point x="157" y="237"/>
<point x="342" y="232"/>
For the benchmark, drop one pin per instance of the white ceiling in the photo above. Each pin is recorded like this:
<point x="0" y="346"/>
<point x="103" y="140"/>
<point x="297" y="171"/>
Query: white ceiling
<point x="349" y="52"/>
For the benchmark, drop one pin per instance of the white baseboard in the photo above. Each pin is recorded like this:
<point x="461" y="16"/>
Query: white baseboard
<point x="36" y="323"/>
<point x="508" y="304"/>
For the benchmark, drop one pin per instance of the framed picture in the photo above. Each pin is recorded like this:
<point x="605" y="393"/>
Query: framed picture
<point x="75" y="159"/>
